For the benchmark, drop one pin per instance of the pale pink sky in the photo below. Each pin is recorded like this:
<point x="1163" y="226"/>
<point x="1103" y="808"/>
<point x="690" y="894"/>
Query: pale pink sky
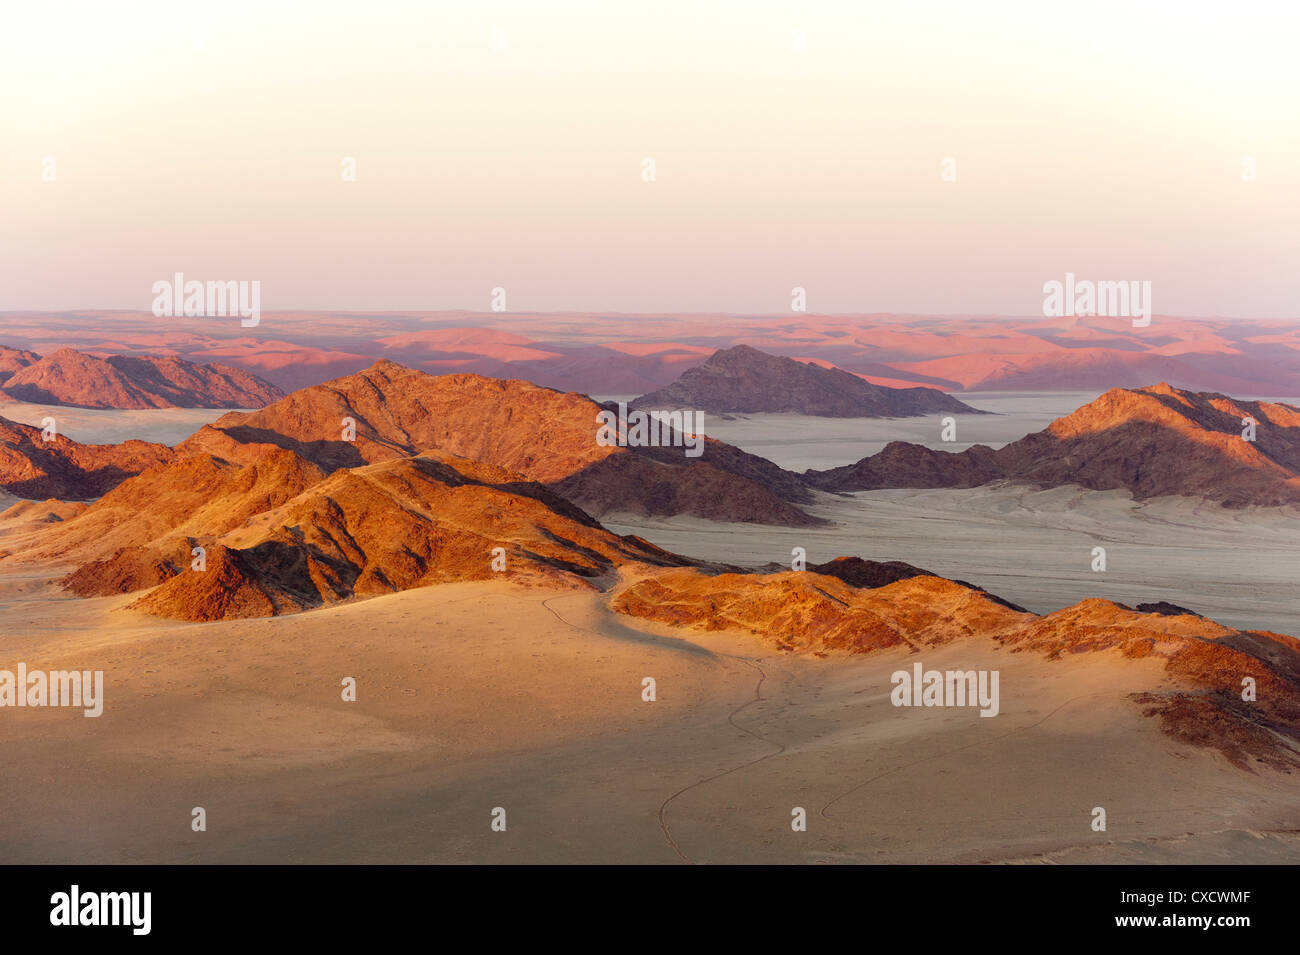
<point x="1102" y="138"/>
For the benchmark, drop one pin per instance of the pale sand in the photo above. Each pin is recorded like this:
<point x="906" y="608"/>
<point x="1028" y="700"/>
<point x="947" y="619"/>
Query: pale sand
<point x="473" y="696"/>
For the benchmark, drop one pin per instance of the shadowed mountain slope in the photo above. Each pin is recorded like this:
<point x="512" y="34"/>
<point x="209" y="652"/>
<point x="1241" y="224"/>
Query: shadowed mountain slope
<point x="391" y="526"/>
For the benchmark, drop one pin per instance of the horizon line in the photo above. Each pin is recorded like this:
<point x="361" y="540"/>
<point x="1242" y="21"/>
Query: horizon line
<point x="336" y="310"/>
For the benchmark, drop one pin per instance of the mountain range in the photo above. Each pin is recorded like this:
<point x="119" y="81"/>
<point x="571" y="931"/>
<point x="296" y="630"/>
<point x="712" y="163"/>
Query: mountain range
<point x="391" y="479"/>
<point x="391" y="412"/>
<point x="614" y="354"/>
<point x="1152" y="441"/>
<point x="545" y="435"/>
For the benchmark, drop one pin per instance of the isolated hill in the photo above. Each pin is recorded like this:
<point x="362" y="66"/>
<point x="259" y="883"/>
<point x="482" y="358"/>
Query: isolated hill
<point x="32" y="467"/>
<point x="744" y="380"/>
<point x="375" y="529"/>
<point x="69" y="377"/>
<point x="1150" y="441"/>
<point x="547" y="436"/>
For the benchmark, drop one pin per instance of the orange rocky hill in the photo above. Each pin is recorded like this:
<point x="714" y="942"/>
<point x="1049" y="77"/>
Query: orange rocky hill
<point x="239" y="473"/>
<point x="810" y="611"/>
<point x="70" y="377"/>
<point x="547" y="436"/>
<point x="377" y="528"/>
<point x="32" y="467"/>
<point x="155" y="514"/>
<point x="1151" y="441"/>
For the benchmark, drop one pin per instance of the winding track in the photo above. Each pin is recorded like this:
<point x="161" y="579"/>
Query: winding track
<point x="731" y="718"/>
<point x="779" y="748"/>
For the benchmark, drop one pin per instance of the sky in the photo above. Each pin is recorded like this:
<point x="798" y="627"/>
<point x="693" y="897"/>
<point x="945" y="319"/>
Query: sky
<point x="505" y="145"/>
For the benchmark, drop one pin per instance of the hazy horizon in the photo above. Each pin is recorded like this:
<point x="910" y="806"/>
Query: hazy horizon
<point x="505" y="147"/>
<point x="490" y="316"/>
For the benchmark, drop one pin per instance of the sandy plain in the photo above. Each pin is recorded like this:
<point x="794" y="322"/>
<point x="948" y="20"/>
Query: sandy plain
<point x="477" y="696"/>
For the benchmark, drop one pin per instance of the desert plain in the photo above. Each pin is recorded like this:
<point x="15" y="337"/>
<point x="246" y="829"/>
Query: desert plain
<point x="485" y="695"/>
